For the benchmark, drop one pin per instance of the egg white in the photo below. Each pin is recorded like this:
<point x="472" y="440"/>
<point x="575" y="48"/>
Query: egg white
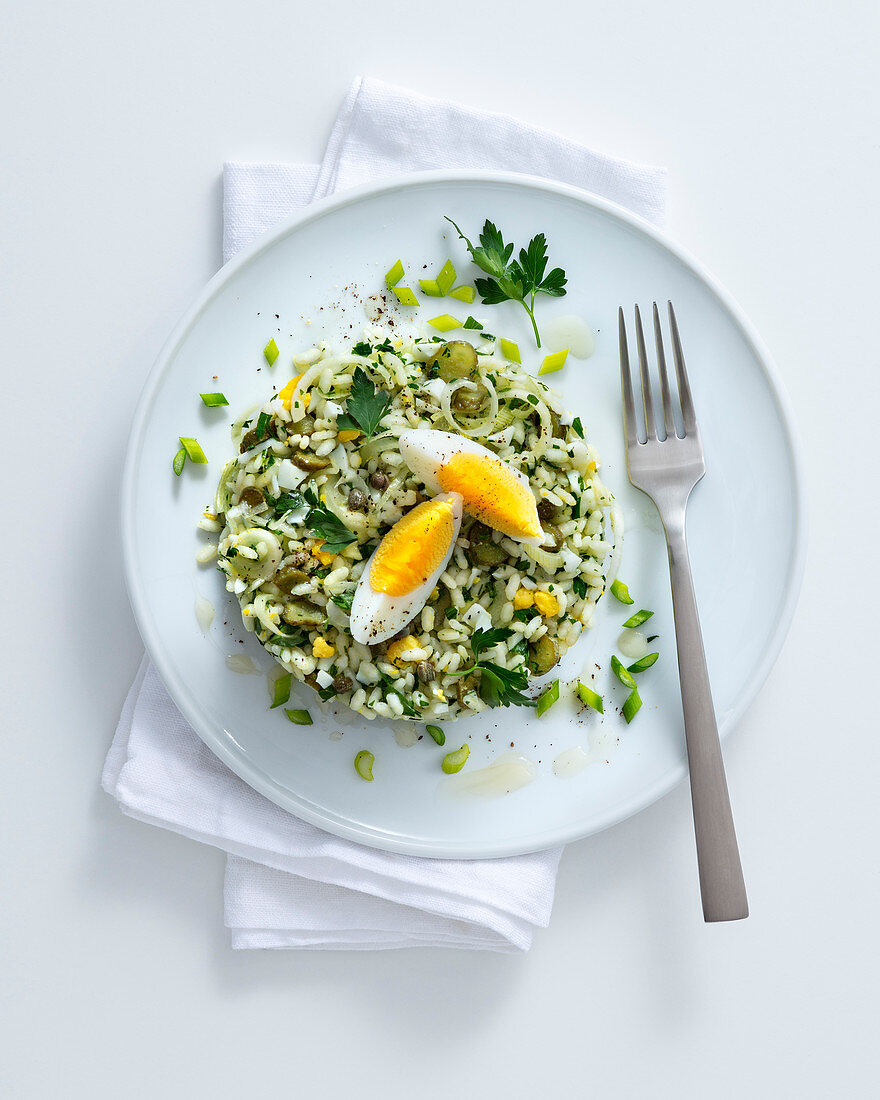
<point x="376" y="616"/>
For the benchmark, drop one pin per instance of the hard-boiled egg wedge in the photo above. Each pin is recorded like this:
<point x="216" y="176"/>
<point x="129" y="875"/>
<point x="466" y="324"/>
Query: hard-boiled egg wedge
<point x="401" y="574"/>
<point x="494" y="492"/>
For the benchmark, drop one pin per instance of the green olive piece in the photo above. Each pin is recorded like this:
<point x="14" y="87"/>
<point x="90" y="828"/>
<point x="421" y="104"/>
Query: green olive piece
<point x="456" y="359"/>
<point x="553" y="537"/>
<point x="483" y="552"/>
<point x="302" y="613"/>
<point x="288" y="577"/>
<point x="543" y="655"/>
<point x="470" y="402"/>
<point x="309" y="462"/>
<point x="464" y="686"/>
<point x="252" y="497"/>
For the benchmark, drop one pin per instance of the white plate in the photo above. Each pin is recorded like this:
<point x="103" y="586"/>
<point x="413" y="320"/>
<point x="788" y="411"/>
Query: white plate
<point x="746" y="519"/>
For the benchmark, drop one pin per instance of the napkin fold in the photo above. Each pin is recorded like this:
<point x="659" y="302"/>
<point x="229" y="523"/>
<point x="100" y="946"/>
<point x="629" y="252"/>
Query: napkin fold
<point x="289" y="884"/>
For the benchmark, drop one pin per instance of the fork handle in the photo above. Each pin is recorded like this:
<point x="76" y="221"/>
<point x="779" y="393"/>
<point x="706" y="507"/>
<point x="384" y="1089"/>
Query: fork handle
<point x="722" y="886"/>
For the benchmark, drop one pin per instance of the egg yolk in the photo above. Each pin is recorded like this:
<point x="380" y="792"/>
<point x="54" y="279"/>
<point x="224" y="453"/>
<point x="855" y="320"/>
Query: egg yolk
<point x="492" y="493"/>
<point x="413" y="548"/>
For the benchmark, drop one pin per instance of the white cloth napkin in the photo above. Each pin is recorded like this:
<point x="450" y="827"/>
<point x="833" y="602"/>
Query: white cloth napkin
<point x="289" y="884"/>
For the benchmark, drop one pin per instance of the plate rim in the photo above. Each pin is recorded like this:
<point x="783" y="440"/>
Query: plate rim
<point x="223" y="748"/>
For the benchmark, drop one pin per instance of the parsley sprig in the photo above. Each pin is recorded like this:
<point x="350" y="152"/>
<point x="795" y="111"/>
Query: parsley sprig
<point x="499" y="687"/>
<point x="365" y="406"/>
<point x="327" y="525"/>
<point x="513" y="280"/>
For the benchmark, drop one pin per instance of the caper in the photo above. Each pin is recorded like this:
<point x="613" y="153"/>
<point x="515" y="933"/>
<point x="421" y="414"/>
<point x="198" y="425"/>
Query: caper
<point x="425" y="671"/>
<point x="357" y="502"/>
<point x="378" y="480"/>
<point x="252" y="497"/>
<point x="342" y="684"/>
<point x="259" y="434"/>
<point x="546" y="511"/>
<point x="543" y="655"/>
<point x="456" y="359"/>
<point x="558" y="430"/>
<point x="469" y="401"/>
<point x="305" y="460"/>
<point x="482" y="550"/>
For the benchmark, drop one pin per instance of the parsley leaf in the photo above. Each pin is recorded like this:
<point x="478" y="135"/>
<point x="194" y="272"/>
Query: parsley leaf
<point x="408" y="708"/>
<point x="499" y="687"/>
<point x="486" y="639"/>
<point x="328" y="526"/>
<point x="365" y="406"/>
<point x="579" y="586"/>
<point x="287" y="502"/>
<point x="344" y="599"/>
<point x="513" y="280"/>
<point x="363" y="348"/>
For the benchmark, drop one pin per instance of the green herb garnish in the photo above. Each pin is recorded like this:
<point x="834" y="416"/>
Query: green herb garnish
<point x="590" y="697"/>
<point x="281" y="691"/>
<point x="547" y="698"/>
<point x="632" y="706"/>
<point x="212" y="400"/>
<point x="344" y="599"/>
<point x="287" y="502"/>
<point x="516" y="280"/>
<point x="363" y="348"/>
<point x="193" y="450"/>
<point x="178" y="461"/>
<point x="454" y="761"/>
<point x="620" y="592"/>
<point x="363" y="764"/>
<point x="643" y="663"/>
<point x="580" y="587"/>
<point x="437" y="734"/>
<point x="622" y="673"/>
<point x="328" y="526"/>
<point x="471" y="322"/>
<point x="299" y="717"/>
<point x="637" y="619"/>
<point x="270" y="352"/>
<point x="365" y="406"/>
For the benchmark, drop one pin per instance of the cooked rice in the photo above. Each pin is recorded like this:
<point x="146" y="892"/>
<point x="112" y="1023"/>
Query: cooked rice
<point x="522" y="421"/>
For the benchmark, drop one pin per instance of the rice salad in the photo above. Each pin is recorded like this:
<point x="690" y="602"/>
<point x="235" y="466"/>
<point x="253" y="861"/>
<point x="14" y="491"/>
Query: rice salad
<point x="302" y="471"/>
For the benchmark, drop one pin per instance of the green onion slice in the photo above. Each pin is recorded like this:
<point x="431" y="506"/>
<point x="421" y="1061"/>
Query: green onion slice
<point x="270" y="351"/>
<point x="446" y="278"/>
<point x="454" y="761"/>
<point x="437" y="733"/>
<point x="631" y="706"/>
<point x="193" y="450"/>
<point x="394" y="274"/>
<point x="547" y="698"/>
<point x="404" y="295"/>
<point x="553" y="362"/>
<point x="472" y="322"/>
<point x="444" y="322"/>
<point x="178" y="461"/>
<point x="510" y="350"/>
<point x="620" y="592"/>
<point x="622" y="673"/>
<point x="281" y="690"/>
<point x="363" y="764"/>
<point x="637" y="619"/>
<point x="590" y="697"/>
<point x="431" y="288"/>
<point x="212" y="400"/>
<point x="464" y="294"/>
<point x="643" y="663"/>
<point x="299" y="717"/>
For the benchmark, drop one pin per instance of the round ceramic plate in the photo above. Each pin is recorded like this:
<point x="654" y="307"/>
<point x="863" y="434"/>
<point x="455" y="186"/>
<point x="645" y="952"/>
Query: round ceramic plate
<point x="307" y="281"/>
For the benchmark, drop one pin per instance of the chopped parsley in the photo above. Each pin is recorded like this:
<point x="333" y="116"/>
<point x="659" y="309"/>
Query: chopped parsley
<point x="365" y="406"/>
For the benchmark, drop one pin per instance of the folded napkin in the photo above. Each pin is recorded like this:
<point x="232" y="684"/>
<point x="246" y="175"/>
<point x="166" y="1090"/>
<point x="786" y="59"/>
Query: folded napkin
<point x="289" y="884"/>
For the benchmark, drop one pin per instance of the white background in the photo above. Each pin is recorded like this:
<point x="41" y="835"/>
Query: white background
<point x="116" y="975"/>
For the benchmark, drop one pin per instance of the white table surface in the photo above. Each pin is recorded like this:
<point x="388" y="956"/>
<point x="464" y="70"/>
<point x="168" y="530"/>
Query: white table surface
<point x="116" y="975"/>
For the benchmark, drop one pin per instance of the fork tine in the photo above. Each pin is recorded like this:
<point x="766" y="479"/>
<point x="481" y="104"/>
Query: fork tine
<point x="629" y="408"/>
<point x="647" y="396"/>
<point x="689" y="416"/>
<point x="668" y="418"/>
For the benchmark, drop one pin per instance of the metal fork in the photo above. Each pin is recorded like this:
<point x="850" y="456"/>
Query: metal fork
<point x="667" y="466"/>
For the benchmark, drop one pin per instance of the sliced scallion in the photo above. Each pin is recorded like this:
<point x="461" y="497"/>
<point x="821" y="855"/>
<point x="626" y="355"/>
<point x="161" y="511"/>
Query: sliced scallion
<point x="643" y="663"/>
<point x="394" y="274"/>
<point x="281" y="691"/>
<point x="553" y="362"/>
<point x="193" y="450"/>
<point x="637" y="619"/>
<point x="454" y="761"/>
<point x="299" y="717"/>
<point x="444" y="322"/>
<point x="620" y="592"/>
<point x="463" y="293"/>
<point x="547" y="698"/>
<point x="404" y="295"/>
<point x="270" y="352"/>
<point x="178" y="461"/>
<point x="631" y="706"/>
<point x="212" y="400"/>
<point x="431" y="288"/>
<point x="622" y="673"/>
<point x="510" y="350"/>
<point x="472" y="322"/>
<point x="590" y="697"/>
<point x="363" y="764"/>
<point x="437" y="734"/>
<point x="446" y="278"/>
